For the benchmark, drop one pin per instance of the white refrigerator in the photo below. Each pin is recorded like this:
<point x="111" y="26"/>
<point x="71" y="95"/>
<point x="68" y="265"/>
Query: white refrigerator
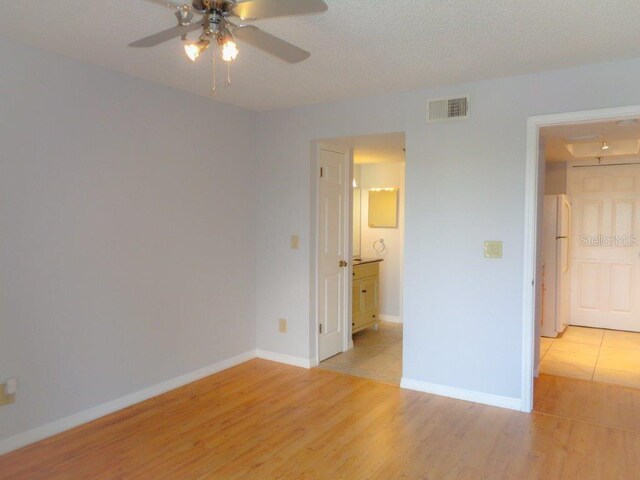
<point x="556" y="279"/>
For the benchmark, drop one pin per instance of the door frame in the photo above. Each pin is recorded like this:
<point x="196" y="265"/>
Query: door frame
<point x="532" y="183"/>
<point x="314" y="324"/>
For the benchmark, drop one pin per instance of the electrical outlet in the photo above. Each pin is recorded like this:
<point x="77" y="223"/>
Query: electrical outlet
<point x="8" y="392"/>
<point x="295" y="242"/>
<point x="282" y="325"/>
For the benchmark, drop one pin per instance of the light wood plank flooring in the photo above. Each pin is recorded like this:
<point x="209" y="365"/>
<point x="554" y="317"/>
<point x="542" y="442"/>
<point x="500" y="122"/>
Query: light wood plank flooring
<point x="262" y="420"/>
<point x="606" y="356"/>
<point x="585" y="401"/>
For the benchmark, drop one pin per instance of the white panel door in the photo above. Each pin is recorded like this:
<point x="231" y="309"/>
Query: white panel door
<point x="332" y="274"/>
<point x="605" y="261"/>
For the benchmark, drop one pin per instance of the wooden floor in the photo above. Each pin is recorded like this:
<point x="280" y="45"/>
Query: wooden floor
<point x="262" y="420"/>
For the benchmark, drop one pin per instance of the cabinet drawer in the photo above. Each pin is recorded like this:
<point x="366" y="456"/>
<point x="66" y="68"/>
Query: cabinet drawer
<point x="366" y="318"/>
<point x="366" y="270"/>
<point x="363" y="321"/>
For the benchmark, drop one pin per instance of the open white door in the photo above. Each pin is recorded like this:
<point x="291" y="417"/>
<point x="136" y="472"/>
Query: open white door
<point x="604" y="249"/>
<point x="333" y="216"/>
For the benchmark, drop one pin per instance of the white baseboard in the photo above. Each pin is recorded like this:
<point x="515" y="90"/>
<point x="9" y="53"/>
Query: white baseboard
<point x="461" y="394"/>
<point x="390" y="318"/>
<point x="287" y="359"/>
<point x="66" y="423"/>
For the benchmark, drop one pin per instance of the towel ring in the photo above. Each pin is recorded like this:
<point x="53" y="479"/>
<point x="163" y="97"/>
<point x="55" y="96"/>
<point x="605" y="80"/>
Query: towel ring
<point x="379" y="245"/>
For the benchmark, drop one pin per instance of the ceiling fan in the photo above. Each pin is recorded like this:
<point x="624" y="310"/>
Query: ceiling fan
<point x="214" y="21"/>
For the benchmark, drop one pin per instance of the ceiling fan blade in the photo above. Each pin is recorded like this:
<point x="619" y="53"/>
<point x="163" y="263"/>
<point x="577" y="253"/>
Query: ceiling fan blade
<point x="270" y="44"/>
<point x="165" y="35"/>
<point x="256" y="9"/>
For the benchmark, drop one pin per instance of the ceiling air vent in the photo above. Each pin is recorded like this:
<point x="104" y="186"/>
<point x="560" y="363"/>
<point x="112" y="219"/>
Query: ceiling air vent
<point x="445" y="109"/>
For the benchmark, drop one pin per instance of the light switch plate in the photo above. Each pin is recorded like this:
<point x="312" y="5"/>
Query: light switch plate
<point x="295" y="242"/>
<point x="282" y="325"/>
<point x="6" y="399"/>
<point x="492" y="249"/>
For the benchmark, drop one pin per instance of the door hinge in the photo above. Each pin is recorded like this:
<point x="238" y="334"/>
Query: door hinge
<point x="320" y="328"/>
<point x="321" y="172"/>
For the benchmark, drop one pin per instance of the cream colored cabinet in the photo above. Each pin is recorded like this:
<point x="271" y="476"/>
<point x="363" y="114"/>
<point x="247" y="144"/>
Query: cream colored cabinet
<point x="365" y="296"/>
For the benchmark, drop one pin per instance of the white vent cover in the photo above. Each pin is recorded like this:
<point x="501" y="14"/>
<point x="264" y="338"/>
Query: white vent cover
<point x="445" y="109"/>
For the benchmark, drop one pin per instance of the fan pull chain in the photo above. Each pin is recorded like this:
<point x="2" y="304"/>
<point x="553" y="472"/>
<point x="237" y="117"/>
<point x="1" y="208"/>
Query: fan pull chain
<point x="228" y="73"/>
<point x="213" y="74"/>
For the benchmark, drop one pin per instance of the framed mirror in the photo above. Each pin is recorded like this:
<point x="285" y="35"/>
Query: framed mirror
<point x="383" y="208"/>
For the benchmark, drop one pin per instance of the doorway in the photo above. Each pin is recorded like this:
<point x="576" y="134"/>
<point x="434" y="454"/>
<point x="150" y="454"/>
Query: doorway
<point x="582" y="318"/>
<point x="374" y="241"/>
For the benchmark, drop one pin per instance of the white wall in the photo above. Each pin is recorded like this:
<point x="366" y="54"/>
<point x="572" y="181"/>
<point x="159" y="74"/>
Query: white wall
<point x="127" y="234"/>
<point x="556" y="178"/>
<point x="382" y="175"/>
<point x="356" y="220"/>
<point x="464" y="184"/>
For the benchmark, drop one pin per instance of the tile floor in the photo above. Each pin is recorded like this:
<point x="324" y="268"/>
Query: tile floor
<point x="605" y="356"/>
<point x="375" y="354"/>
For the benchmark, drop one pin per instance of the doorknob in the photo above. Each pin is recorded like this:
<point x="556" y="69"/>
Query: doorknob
<point x="343" y="263"/>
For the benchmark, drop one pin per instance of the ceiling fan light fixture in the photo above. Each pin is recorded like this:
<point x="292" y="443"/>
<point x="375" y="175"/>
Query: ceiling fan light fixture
<point x="184" y="15"/>
<point x="229" y="51"/>
<point x="228" y="44"/>
<point x="195" y="49"/>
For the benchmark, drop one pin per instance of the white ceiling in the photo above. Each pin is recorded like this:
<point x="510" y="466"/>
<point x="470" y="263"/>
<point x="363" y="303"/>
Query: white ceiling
<point x="359" y="47"/>
<point x="556" y="138"/>
<point x="382" y="148"/>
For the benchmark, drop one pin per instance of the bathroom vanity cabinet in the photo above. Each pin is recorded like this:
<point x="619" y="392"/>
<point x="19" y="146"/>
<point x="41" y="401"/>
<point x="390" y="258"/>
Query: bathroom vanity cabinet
<point x="366" y="283"/>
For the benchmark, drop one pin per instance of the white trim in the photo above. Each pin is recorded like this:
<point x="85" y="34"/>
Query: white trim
<point x="77" y="419"/>
<point x="313" y="252"/>
<point x="403" y="216"/>
<point x="603" y="163"/>
<point x="348" y="242"/>
<point x="534" y="124"/>
<point x="287" y="359"/>
<point x="461" y="394"/>
<point x="390" y="318"/>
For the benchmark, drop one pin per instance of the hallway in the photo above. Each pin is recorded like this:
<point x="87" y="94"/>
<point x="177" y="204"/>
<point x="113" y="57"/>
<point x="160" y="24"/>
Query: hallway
<point x="604" y="356"/>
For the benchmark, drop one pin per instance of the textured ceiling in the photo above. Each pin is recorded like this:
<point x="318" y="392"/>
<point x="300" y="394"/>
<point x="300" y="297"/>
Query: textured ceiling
<point x="359" y="47"/>
<point x="556" y="138"/>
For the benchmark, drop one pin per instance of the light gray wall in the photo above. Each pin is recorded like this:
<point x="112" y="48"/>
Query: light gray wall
<point x="556" y="178"/>
<point x="127" y="222"/>
<point x="465" y="183"/>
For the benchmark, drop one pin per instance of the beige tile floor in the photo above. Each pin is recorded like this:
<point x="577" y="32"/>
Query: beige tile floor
<point x="606" y="356"/>
<point x="375" y="354"/>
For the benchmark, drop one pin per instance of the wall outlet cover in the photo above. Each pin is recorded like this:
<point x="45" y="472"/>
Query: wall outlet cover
<point x="493" y="249"/>
<point x="295" y="242"/>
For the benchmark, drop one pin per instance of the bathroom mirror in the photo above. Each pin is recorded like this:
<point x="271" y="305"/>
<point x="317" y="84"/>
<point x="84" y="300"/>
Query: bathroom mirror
<point x="383" y="208"/>
<point x="357" y="201"/>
